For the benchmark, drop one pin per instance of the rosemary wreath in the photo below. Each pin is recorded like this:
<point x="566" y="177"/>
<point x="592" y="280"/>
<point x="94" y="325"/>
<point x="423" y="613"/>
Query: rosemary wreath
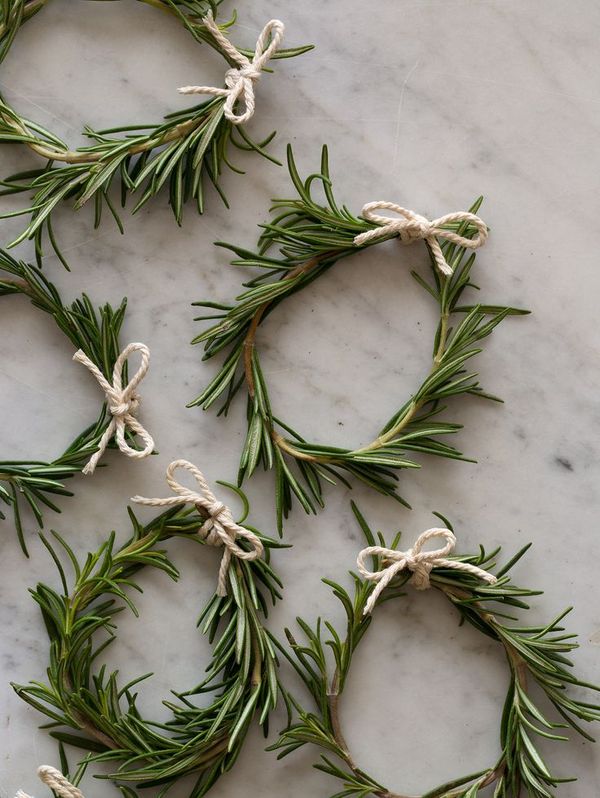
<point x="92" y="711"/>
<point x="184" y="151"/>
<point x="535" y="656"/>
<point x="95" y="334"/>
<point x="311" y="239"/>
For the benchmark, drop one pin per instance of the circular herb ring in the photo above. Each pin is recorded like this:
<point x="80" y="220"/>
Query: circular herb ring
<point x="534" y="653"/>
<point x="90" y="710"/>
<point x="311" y="239"/>
<point x="184" y="150"/>
<point x="95" y="334"/>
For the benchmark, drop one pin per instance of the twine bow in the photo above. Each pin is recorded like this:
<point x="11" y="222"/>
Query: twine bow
<point x="420" y="562"/>
<point x="54" y="779"/>
<point x="219" y="529"/>
<point x="123" y="404"/>
<point x="412" y="227"/>
<point x="240" y="80"/>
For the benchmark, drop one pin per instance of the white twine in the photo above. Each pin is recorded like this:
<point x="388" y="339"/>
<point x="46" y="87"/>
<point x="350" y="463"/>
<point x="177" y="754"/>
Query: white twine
<point x="240" y="80"/>
<point x="421" y="563"/>
<point x="123" y="403"/>
<point x="54" y="779"/>
<point x="412" y="227"/>
<point x="219" y="529"/>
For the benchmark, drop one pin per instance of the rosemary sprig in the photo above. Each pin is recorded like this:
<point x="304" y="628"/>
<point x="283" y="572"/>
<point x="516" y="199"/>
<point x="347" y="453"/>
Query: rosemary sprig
<point x="183" y="153"/>
<point x="312" y="238"/>
<point x="535" y="656"/>
<point x="33" y="483"/>
<point x="89" y="709"/>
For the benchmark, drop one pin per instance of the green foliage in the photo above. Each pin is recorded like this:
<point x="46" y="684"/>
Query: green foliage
<point x="535" y="655"/>
<point x="87" y="706"/>
<point x="183" y="153"/>
<point x="33" y="483"/>
<point x="311" y="238"/>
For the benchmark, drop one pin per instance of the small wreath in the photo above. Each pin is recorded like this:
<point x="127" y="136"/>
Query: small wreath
<point x="534" y="653"/>
<point x="311" y="239"/>
<point x="183" y="151"/>
<point x="92" y="711"/>
<point x="96" y="336"/>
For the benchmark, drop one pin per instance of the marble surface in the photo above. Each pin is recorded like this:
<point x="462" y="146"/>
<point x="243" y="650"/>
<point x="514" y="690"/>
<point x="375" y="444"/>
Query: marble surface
<point x="427" y="103"/>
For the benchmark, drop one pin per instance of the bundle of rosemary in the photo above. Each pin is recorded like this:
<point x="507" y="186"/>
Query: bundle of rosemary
<point x="536" y="655"/>
<point x="89" y="709"/>
<point x="33" y="482"/>
<point x="311" y="239"/>
<point x="182" y="153"/>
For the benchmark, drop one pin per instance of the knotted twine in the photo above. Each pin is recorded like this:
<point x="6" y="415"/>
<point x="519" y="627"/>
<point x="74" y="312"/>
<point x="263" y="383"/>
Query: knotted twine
<point x="240" y="80"/>
<point x="219" y="529"/>
<point x="419" y="562"/>
<point x="54" y="779"/>
<point x="411" y="227"/>
<point x="123" y="403"/>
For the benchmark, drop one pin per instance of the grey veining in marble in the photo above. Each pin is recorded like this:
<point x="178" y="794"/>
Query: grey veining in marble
<point x="427" y="103"/>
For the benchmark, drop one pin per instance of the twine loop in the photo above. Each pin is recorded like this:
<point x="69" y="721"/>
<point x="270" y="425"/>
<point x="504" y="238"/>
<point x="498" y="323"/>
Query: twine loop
<point x="419" y="562"/>
<point x="219" y="529"/>
<point x="54" y="779"/>
<point x="240" y="79"/>
<point x="123" y="403"/>
<point x="411" y="227"/>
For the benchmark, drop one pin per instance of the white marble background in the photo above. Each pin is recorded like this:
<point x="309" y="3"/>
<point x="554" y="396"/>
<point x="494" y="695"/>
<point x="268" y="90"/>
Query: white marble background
<point x="425" y="103"/>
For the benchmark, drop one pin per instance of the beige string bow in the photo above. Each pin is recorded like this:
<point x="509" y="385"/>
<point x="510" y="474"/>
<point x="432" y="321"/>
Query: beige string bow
<point x="54" y="779"/>
<point x="219" y="529"/>
<point x="420" y="562"/>
<point x="411" y="226"/>
<point x="123" y="403"/>
<point x="240" y="80"/>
